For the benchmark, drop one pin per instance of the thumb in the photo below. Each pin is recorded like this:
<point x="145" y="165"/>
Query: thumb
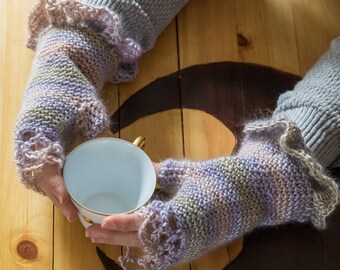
<point x="171" y="174"/>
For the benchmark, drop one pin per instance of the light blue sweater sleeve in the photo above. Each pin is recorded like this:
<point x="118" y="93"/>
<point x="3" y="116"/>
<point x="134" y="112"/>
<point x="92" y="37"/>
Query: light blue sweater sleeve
<point x="314" y="105"/>
<point x="142" y="20"/>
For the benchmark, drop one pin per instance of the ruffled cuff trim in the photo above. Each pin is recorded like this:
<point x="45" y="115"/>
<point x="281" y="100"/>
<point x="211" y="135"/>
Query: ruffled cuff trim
<point x="100" y="19"/>
<point x="326" y="193"/>
<point x="163" y="242"/>
<point x="32" y="154"/>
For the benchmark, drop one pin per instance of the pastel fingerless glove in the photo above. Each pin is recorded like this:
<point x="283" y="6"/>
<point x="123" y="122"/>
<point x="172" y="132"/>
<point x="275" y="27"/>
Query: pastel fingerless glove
<point x="72" y="62"/>
<point x="79" y="46"/>
<point x="271" y="180"/>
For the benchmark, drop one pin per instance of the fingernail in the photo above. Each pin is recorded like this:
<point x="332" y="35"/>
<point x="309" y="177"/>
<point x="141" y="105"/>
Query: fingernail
<point x="103" y="224"/>
<point x="87" y="234"/>
<point x="73" y="218"/>
<point x="92" y="240"/>
<point x="105" y="219"/>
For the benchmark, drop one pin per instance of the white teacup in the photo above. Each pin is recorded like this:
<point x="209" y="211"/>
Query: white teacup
<point x="107" y="176"/>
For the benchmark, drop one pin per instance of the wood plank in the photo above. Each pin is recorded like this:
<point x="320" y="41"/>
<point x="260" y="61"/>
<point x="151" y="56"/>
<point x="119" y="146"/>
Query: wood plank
<point x="262" y="87"/>
<point x="295" y="246"/>
<point x="234" y="249"/>
<point x="198" y="146"/>
<point x="162" y="130"/>
<point x="266" y="34"/>
<point x="317" y="23"/>
<point x="27" y="217"/>
<point x="298" y="246"/>
<point x="248" y="258"/>
<point x="217" y="90"/>
<point x="72" y="250"/>
<point x="3" y="29"/>
<point x="269" y="34"/>
<point x="331" y="242"/>
<point x="206" y="34"/>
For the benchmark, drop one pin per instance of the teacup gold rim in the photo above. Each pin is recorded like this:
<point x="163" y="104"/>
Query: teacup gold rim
<point x="103" y="139"/>
<point x="106" y="214"/>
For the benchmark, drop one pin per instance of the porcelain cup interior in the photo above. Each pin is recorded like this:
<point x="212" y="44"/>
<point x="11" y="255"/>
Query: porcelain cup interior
<point x="107" y="176"/>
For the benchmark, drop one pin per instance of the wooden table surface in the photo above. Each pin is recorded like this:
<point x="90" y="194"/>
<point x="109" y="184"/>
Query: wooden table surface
<point x="286" y="35"/>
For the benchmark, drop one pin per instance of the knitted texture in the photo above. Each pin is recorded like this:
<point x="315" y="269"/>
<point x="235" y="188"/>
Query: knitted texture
<point x="61" y="98"/>
<point x="71" y="65"/>
<point x="99" y="19"/>
<point x="79" y="46"/>
<point x="271" y="180"/>
<point x="314" y="105"/>
<point x="142" y="20"/>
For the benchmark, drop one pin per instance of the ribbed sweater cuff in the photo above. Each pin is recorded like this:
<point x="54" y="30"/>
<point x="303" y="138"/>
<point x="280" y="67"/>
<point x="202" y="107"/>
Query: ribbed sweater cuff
<point x="142" y="20"/>
<point x="100" y="3"/>
<point x="319" y="131"/>
<point x="136" y="23"/>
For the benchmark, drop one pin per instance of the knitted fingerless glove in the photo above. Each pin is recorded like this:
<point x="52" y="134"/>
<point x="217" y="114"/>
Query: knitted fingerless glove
<point x="71" y="65"/>
<point x="79" y="46"/>
<point x="271" y="180"/>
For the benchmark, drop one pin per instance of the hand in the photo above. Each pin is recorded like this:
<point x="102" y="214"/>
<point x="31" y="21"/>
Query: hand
<point x="209" y="203"/>
<point x="119" y="229"/>
<point x="52" y="183"/>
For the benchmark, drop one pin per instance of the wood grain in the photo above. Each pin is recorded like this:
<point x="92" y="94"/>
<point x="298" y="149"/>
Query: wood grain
<point x="269" y="29"/>
<point x="317" y="23"/>
<point x="206" y="32"/>
<point x="160" y="61"/>
<point x="27" y="220"/>
<point x="201" y="24"/>
<point x="331" y="241"/>
<point x="73" y="251"/>
<point x="163" y="131"/>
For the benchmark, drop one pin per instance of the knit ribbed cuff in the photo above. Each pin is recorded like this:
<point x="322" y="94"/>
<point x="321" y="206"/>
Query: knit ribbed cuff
<point x="106" y="3"/>
<point x="142" y="20"/>
<point x="319" y="130"/>
<point x="136" y="23"/>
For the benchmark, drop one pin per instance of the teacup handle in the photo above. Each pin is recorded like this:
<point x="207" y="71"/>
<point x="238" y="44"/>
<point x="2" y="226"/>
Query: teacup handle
<point x="88" y="220"/>
<point x="140" y="142"/>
